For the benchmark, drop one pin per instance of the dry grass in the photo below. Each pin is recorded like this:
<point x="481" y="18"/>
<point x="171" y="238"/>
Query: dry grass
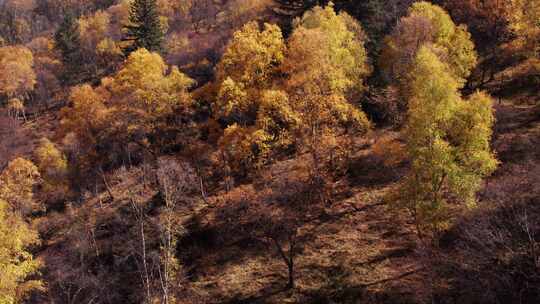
<point x="358" y="251"/>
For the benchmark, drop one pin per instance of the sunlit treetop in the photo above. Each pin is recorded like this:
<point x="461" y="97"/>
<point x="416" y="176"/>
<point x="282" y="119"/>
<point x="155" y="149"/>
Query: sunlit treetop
<point x="429" y="24"/>
<point x="145" y="83"/>
<point x="328" y="49"/>
<point x="326" y="64"/>
<point x="455" y="40"/>
<point x="253" y="54"/>
<point x="17" y="77"/>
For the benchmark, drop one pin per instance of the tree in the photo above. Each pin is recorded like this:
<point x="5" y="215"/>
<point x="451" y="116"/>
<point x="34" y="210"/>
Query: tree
<point x="52" y="165"/>
<point x="68" y="42"/>
<point x="448" y="144"/>
<point x="18" y="77"/>
<point x="276" y="122"/>
<point x="178" y="187"/>
<point x="17" y="183"/>
<point x="142" y="92"/>
<point x="16" y="262"/>
<point x="144" y="28"/>
<point x="428" y="24"/>
<point x="340" y="53"/>
<point x="249" y="67"/>
<point x="83" y="122"/>
<point x="274" y="211"/>
<point x="130" y="112"/>
<point x="326" y="65"/>
<point x="253" y="55"/>
<point x="233" y="103"/>
<point x="524" y="20"/>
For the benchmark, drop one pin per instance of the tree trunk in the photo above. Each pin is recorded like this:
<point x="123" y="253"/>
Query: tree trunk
<point x="290" y="266"/>
<point x="288" y="259"/>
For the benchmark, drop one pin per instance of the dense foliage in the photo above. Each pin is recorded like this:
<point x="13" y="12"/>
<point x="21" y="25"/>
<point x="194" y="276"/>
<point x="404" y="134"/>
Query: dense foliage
<point x="276" y="151"/>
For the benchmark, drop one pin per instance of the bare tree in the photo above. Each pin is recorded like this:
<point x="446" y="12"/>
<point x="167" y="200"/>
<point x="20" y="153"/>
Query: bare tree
<point x="144" y="272"/>
<point x="274" y="212"/>
<point x="177" y="184"/>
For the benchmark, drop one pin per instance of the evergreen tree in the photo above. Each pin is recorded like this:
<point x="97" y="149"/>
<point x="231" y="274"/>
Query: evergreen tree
<point x="67" y="41"/>
<point x="144" y="29"/>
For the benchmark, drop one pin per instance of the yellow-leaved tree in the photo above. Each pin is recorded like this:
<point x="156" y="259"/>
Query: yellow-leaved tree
<point x="83" y="123"/>
<point x="448" y="143"/>
<point x="143" y="98"/>
<point x="326" y="64"/>
<point x="16" y="262"/>
<point x="253" y="55"/>
<point x="524" y="21"/>
<point x="245" y="76"/>
<point x="52" y="165"/>
<point x="17" y="183"/>
<point x="145" y="90"/>
<point x="428" y="24"/>
<point x="17" y="78"/>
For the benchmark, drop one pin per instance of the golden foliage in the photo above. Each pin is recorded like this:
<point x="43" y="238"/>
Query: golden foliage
<point x="253" y="55"/>
<point x="326" y="53"/>
<point x="17" y="183"/>
<point x="142" y="87"/>
<point x="325" y="64"/>
<point x="17" y="77"/>
<point x="16" y="263"/>
<point x="524" y="19"/>
<point x="232" y="102"/>
<point x="52" y="165"/>
<point x="428" y="25"/>
<point x="236" y="148"/>
<point x="447" y="142"/>
<point x="86" y="115"/>
<point x="126" y="108"/>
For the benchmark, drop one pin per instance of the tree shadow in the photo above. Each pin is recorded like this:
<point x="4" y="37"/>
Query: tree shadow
<point x="340" y="291"/>
<point x="369" y="171"/>
<point x="263" y="296"/>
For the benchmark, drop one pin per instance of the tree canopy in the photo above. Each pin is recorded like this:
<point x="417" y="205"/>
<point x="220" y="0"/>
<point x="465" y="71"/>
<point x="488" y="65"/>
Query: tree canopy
<point x="17" y="65"/>
<point x="448" y="142"/>
<point x="429" y="24"/>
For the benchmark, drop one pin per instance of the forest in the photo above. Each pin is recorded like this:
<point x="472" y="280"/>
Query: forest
<point x="269" y="151"/>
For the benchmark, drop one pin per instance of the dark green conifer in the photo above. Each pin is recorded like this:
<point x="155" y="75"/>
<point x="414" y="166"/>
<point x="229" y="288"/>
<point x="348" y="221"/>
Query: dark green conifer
<point x="144" y="28"/>
<point x="67" y="42"/>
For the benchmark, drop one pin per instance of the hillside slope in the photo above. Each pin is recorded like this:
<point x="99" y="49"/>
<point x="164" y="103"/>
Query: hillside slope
<point x="357" y="251"/>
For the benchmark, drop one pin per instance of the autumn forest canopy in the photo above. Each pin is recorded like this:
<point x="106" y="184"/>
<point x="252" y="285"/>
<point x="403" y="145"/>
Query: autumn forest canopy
<point x="269" y="151"/>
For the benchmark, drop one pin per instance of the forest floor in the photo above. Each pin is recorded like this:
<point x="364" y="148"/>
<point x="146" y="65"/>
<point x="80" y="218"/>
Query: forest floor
<point x="360" y="252"/>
